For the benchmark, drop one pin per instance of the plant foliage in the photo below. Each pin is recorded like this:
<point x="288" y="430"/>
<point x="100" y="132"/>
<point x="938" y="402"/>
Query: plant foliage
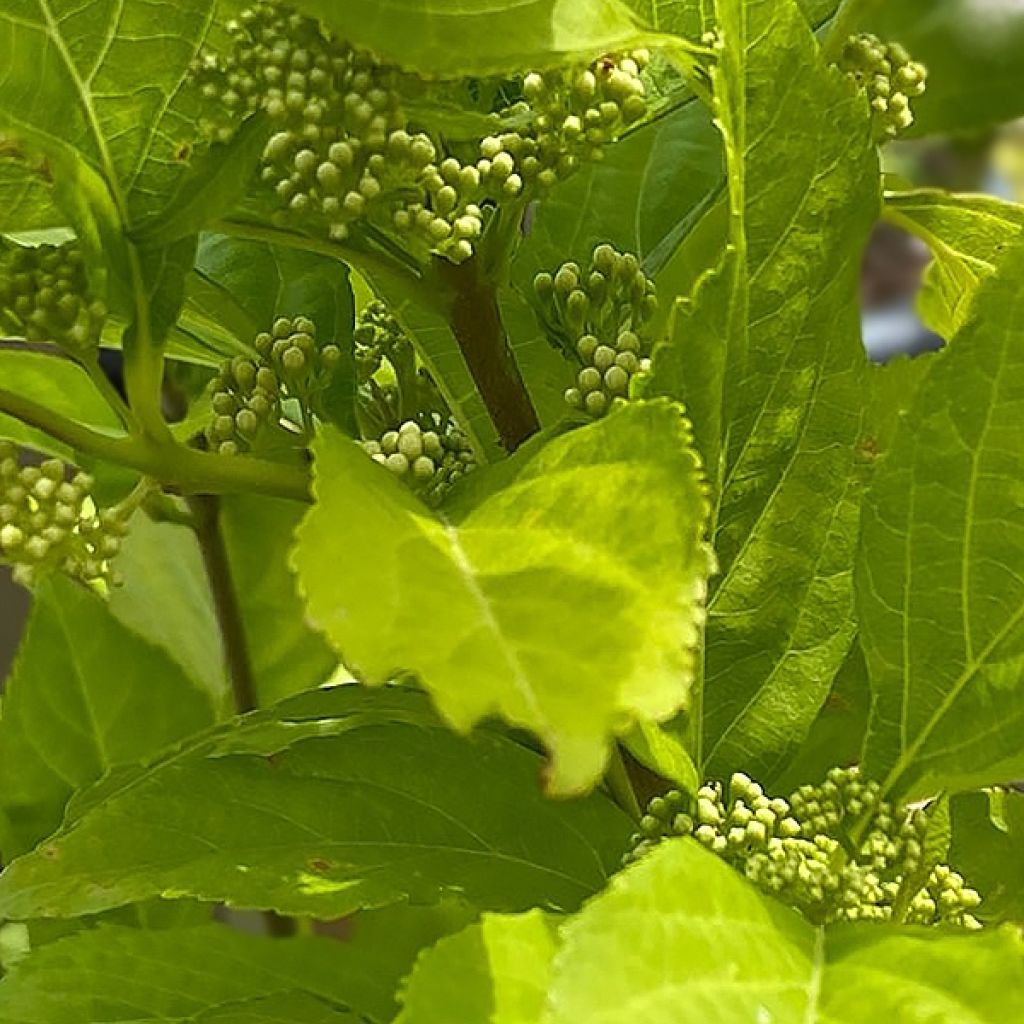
<point x="495" y="508"/>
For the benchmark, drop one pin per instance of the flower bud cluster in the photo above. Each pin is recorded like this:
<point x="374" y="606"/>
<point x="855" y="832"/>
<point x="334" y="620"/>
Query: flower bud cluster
<point x="49" y="522"/>
<point x="248" y="393"/>
<point x="44" y="294"/>
<point x="407" y="426"/>
<point x="378" y="336"/>
<point x="568" y="116"/>
<point x="428" y="460"/>
<point x="836" y="851"/>
<point x="603" y="318"/>
<point x="890" y="78"/>
<point x="344" y="148"/>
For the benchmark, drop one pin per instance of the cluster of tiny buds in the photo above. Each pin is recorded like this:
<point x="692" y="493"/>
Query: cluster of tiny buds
<point x="430" y="460"/>
<point x="48" y="522"/>
<point x="569" y="115"/>
<point x="44" y="294"/>
<point x="247" y="393"/>
<point x="377" y="336"/>
<point x="344" y="148"/>
<point x="799" y="848"/>
<point x="890" y="78"/>
<point x="604" y="316"/>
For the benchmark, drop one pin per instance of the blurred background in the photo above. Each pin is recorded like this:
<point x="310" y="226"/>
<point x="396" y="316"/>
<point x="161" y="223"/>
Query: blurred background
<point x="966" y="139"/>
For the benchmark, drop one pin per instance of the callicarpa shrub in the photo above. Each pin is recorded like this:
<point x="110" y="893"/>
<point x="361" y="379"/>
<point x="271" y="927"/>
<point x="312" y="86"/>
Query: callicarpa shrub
<point x="495" y="586"/>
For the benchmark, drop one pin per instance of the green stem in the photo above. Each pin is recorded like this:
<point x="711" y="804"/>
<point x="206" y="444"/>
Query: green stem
<point x="144" y="361"/>
<point x="620" y="786"/>
<point x="206" y="518"/>
<point x="175" y="466"/>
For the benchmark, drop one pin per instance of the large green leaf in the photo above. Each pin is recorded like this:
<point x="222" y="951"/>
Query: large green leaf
<point x="86" y="695"/>
<point x="987" y="848"/>
<point x="97" y="84"/>
<point x="480" y="37"/>
<point x="568" y="601"/>
<point x="202" y="974"/>
<point x="940" y="593"/>
<point x="494" y="972"/>
<point x="683" y="939"/>
<point x="781" y="407"/>
<point x="968" y="236"/>
<point x="338" y="799"/>
<point x="60" y="386"/>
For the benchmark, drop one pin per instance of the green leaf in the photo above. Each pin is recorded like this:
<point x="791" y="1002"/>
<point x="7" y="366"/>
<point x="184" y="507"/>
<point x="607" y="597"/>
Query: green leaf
<point x="99" y="85"/>
<point x="662" y="749"/>
<point x="179" y="975"/>
<point x="940" y="595"/>
<point x="338" y="799"/>
<point x="968" y="236"/>
<point x="987" y="848"/>
<point x="287" y="655"/>
<point x="57" y="384"/>
<point x="684" y="938"/>
<point x="240" y="286"/>
<point x="213" y="183"/>
<point x="85" y="696"/>
<point x="383" y="946"/>
<point x="26" y="198"/>
<point x="784" y="412"/>
<point x="636" y="198"/>
<point x="480" y="37"/>
<point x="285" y="1008"/>
<point x="494" y="972"/>
<point x="568" y="601"/>
<point x="164" y="597"/>
<point x="836" y="736"/>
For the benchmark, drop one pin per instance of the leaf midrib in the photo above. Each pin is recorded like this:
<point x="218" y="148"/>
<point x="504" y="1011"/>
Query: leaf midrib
<point x="85" y="98"/>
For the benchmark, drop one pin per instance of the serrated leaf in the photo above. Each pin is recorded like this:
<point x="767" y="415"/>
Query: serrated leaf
<point x="201" y="974"/>
<point x="987" y="848"/>
<point x="803" y="194"/>
<point x="968" y="236"/>
<point x="57" y="384"/>
<point x="542" y="603"/>
<point x="494" y="972"/>
<point x="684" y="939"/>
<point x="85" y="696"/>
<point x="336" y="800"/>
<point x="480" y="37"/>
<point x="940" y="594"/>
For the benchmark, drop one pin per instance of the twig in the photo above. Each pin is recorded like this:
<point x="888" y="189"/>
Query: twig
<point x="475" y="321"/>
